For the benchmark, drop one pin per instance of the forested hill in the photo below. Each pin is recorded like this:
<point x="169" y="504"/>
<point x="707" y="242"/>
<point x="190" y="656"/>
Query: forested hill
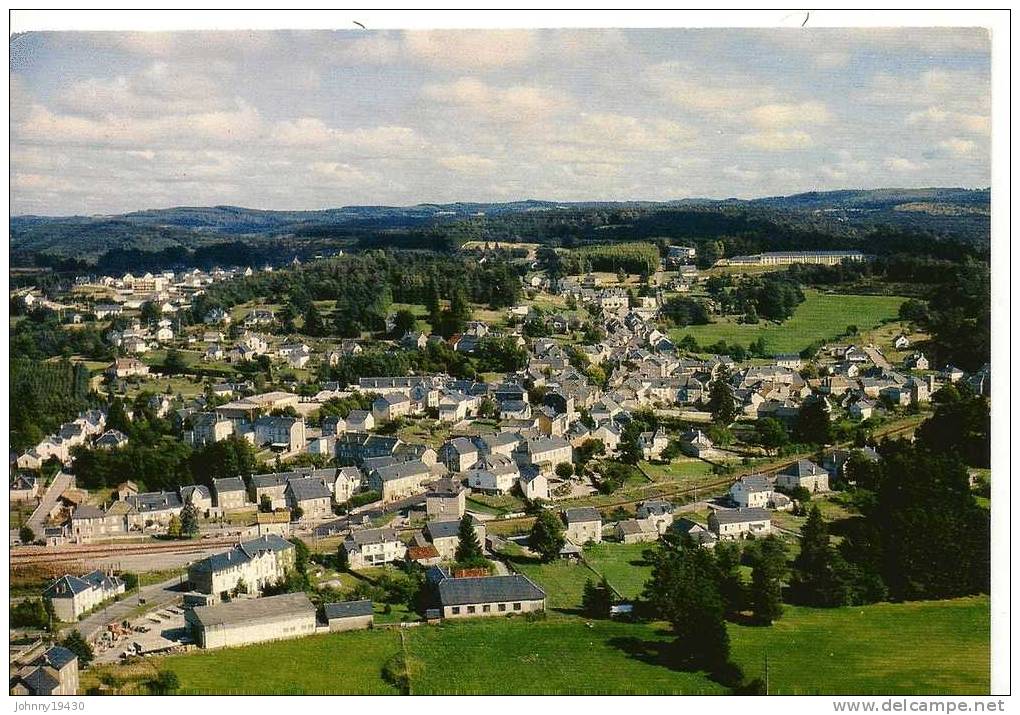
<point x="219" y="234"/>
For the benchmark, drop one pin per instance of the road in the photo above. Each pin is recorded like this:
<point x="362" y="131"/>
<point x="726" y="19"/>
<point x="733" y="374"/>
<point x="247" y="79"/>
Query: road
<point x="60" y="483"/>
<point x="156" y="596"/>
<point x="878" y="358"/>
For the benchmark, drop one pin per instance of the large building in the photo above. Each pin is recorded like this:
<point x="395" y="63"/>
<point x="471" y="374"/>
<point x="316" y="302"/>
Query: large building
<point x="786" y="258"/>
<point x="483" y="595"/>
<point x="255" y="620"/>
<point x="373" y="547"/>
<point x="255" y="564"/>
<point x="73" y="596"/>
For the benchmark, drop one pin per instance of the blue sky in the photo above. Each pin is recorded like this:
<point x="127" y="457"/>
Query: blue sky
<point x="112" y="122"/>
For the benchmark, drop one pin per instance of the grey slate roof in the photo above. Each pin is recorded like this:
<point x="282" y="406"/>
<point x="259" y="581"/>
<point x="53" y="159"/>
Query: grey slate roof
<point x="228" y="484"/>
<point x="740" y="516"/>
<point x="348" y="609"/>
<point x="65" y="586"/>
<point x="488" y="589"/>
<point x="443" y="529"/>
<point x="255" y="609"/>
<point x="803" y="468"/>
<point x="40" y="681"/>
<point x="87" y="511"/>
<point x="582" y="514"/>
<point x="58" y="656"/>
<point x="154" y="501"/>
<point x="308" y="489"/>
<point x="402" y="470"/>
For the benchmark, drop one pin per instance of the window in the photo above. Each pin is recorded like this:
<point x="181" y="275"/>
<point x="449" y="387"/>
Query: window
<point x="502" y="607"/>
<point x="517" y="606"/>
<point x="455" y="610"/>
<point x="471" y="609"/>
<point x="486" y="608"/>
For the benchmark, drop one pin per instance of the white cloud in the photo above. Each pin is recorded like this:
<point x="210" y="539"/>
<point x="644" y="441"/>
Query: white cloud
<point x="937" y="118"/>
<point x="692" y="89"/>
<point x="777" y="141"/>
<point x="460" y="50"/>
<point x="516" y="103"/>
<point x="468" y="163"/>
<point x="783" y="116"/>
<point x="902" y="164"/>
<point x="958" y="146"/>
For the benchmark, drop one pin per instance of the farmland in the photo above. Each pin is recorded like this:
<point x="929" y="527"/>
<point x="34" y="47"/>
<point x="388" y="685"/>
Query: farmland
<point x="822" y="316"/>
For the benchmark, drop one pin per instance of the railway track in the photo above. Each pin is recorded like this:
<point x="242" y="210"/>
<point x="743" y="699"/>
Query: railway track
<point x="41" y="555"/>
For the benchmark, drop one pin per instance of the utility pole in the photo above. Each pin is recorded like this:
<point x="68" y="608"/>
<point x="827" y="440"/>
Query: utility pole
<point x="766" y="671"/>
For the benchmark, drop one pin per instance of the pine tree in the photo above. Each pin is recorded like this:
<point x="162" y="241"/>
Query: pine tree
<point x="720" y="402"/>
<point x="314" y="324"/>
<point x="189" y="520"/>
<point x="469" y="551"/>
<point x="731" y="584"/>
<point x="767" y="576"/>
<point x="684" y="590"/>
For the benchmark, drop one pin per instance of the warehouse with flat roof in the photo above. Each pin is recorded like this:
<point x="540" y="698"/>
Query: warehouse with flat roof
<point x="255" y="620"/>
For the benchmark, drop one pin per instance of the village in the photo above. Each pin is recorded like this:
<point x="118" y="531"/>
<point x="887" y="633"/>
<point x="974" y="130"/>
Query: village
<point x="412" y="463"/>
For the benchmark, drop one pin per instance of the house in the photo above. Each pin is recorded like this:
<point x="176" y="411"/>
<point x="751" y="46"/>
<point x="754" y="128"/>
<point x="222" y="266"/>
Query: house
<point x="917" y="361"/>
<point x="346" y="482"/>
<point x="499" y="443"/>
<point x="467" y="597"/>
<point x="610" y="434"/>
<point x="198" y="496"/>
<point x="359" y="421"/>
<point x="698" y="533"/>
<point x="514" y="410"/>
<point x="400" y="480"/>
<point x="87" y="523"/>
<point x="391" y="407"/>
<point x="636" y="531"/>
<point x="458" y="454"/>
<point x="493" y="474"/>
<point x="348" y="615"/>
<point x="791" y="361"/>
<point x="55" y="672"/>
<point x="73" y="596"/>
<point x="444" y="535"/>
<point x="445" y="499"/>
<point x="695" y="443"/>
<point x="373" y="547"/>
<point x="754" y="490"/>
<point x="735" y="523"/>
<point x="251" y="565"/>
<point x="653" y="444"/>
<point x="584" y="525"/>
<point x="127" y="367"/>
<point x="901" y="342"/>
<point x="282" y="433"/>
<point x="230" y="494"/>
<point x="862" y="409"/>
<point x="154" y="508"/>
<point x="657" y="511"/>
<point x="804" y="473"/>
<point x="111" y="439"/>
<point x="534" y="484"/>
<point x="24" y="487"/>
<point x="544" y="453"/>
<point x="247" y="621"/>
<point x="311" y="496"/>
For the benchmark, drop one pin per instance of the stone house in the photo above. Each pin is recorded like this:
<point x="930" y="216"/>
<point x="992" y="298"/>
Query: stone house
<point x="373" y="547"/>
<point x="804" y="473"/>
<point x="255" y="564"/>
<point x="400" y="480"/>
<point x="445" y="500"/>
<point x="55" y="672"/>
<point x="73" y="596"/>
<point x="230" y="494"/>
<point x="348" y="615"/>
<point x="584" y="525"/>
<point x="444" y="536"/>
<point x="478" y="596"/>
<point x="728" y="524"/>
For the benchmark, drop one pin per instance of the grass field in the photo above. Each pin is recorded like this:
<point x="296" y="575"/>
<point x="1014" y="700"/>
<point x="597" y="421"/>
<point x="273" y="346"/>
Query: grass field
<point x="556" y="656"/>
<point x="346" y="663"/>
<point x="934" y="647"/>
<point x="689" y="471"/>
<point x="821" y="316"/>
<point x="562" y="581"/>
<point x="622" y="565"/>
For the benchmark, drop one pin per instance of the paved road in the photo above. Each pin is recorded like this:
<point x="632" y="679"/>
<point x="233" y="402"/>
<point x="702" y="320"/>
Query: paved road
<point x="156" y="596"/>
<point x="37" y="522"/>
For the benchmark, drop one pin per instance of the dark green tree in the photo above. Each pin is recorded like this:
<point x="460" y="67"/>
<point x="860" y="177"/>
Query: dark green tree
<point x="731" y="584"/>
<point x="77" y="644"/>
<point x="189" y="521"/>
<point x="469" y="551"/>
<point x="684" y="590"/>
<point x="597" y="600"/>
<point x="26" y="535"/>
<point x="720" y="402"/>
<point x="813" y="425"/>
<point x="547" y="536"/>
<point x="767" y="574"/>
<point x="314" y="325"/>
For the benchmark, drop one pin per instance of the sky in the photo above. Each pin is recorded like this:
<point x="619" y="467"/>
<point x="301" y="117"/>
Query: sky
<point x="106" y="123"/>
